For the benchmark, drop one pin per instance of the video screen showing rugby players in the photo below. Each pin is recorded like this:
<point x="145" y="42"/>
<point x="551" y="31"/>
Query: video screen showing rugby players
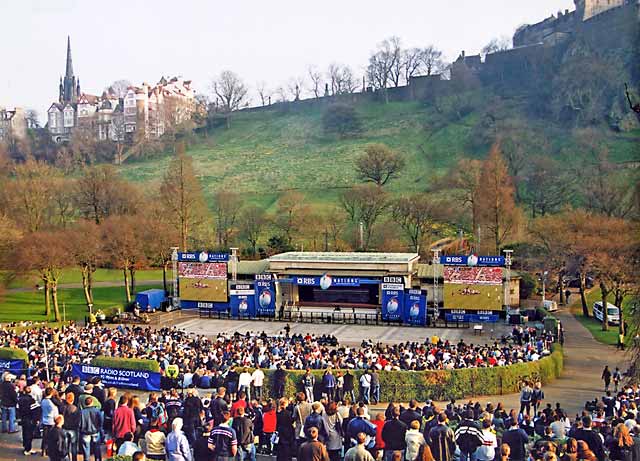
<point x="203" y="281"/>
<point x="473" y="288"/>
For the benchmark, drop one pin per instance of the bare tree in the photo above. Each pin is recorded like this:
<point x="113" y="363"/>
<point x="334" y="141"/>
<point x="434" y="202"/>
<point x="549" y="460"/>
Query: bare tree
<point x="230" y="90"/>
<point x="335" y="77"/>
<point x="365" y="204"/>
<point x="412" y="62"/>
<point x="315" y="76"/>
<point x="295" y="87"/>
<point x="431" y="58"/>
<point x="381" y="63"/>
<point x="395" y="47"/>
<point x="226" y="206"/>
<point x="32" y="118"/>
<point x="349" y="82"/>
<point x="118" y="88"/>
<point x="497" y="44"/>
<point x="264" y="92"/>
<point x="252" y="224"/>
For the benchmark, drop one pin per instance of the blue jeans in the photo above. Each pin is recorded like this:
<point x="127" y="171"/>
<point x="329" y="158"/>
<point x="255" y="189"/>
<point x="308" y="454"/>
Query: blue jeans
<point x="90" y="444"/>
<point x="366" y="394"/>
<point x="467" y="456"/>
<point x="308" y="391"/>
<point x="72" y="437"/>
<point x="376" y="393"/>
<point x="247" y="391"/>
<point x="9" y="417"/>
<point x="248" y="453"/>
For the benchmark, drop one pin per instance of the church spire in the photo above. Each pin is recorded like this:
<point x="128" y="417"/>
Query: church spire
<point x="69" y="71"/>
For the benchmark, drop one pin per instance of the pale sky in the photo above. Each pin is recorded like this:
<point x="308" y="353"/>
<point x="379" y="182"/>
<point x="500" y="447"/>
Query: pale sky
<point x="269" y="41"/>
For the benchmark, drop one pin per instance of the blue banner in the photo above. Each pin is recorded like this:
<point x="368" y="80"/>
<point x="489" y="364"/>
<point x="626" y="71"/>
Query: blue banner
<point x="203" y="257"/>
<point x="472" y="318"/>
<point x="392" y="298"/>
<point x="119" y="377"/>
<point x="472" y="260"/>
<point x="15" y="367"/>
<point x="327" y="281"/>
<point x="265" y="295"/>
<point x="415" y="308"/>
<point x="242" y="300"/>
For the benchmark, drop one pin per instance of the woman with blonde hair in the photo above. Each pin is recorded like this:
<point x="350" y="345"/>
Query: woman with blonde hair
<point x="621" y="444"/>
<point x="505" y="452"/>
<point x="584" y="452"/>
<point x="425" y="453"/>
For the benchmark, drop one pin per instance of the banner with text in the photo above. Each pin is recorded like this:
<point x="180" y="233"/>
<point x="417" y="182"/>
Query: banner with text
<point x="15" y="367"/>
<point x="392" y="298"/>
<point x="472" y="260"/>
<point x="265" y="295"/>
<point x="242" y="300"/>
<point x="119" y="377"/>
<point x="415" y="308"/>
<point x="203" y="257"/>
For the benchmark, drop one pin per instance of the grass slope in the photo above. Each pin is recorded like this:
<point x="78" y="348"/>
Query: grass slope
<point x="609" y="337"/>
<point x="73" y="275"/>
<point x="266" y="153"/>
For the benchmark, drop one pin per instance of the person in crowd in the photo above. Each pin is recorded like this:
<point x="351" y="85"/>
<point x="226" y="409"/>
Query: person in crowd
<point x="240" y="402"/>
<point x="349" y="390"/>
<point x="71" y="424"/>
<point x="301" y="411"/>
<point x="244" y="383"/>
<point x="606" y="377"/>
<point x="411" y="414"/>
<point x="487" y="451"/>
<point x="365" y="387"/>
<point x="285" y="430"/>
<point x="375" y="386"/>
<point x="441" y="439"/>
<point x="592" y="439"/>
<point x="154" y="441"/>
<point x="570" y="450"/>
<point x="378" y="447"/>
<point x="219" y="405"/>
<point x="332" y="423"/>
<point x="28" y="411"/>
<point x="359" y="451"/>
<point x="49" y="414"/>
<point x="361" y="424"/>
<point x="394" y="435"/>
<point x="56" y="441"/>
<point x="128" y="447"/>
<point x="339" y="387"/>
<point x="308" y="382"/>
<point x="516" y="438"/>
<point x="269" y="421"/>
<point x="223" y="441"/>
<point x="243" y="426"/>
<point x="313" y="449"/>
<point x="201" y="450"/>
<point x="176" y="444"/>
<point x="279" y="377"/>
<point x="124" y="420"/>
<point x="414" y="441"/>
<point x="257" y="379"/>
<point x="537" y="396"/>
<point x="468" y="436"/>
<point x="9" y="402"/>
<point x="584" y="452"/>
<point x="315" y="420"/>
<point x="621" y="444"/>
<point x="91" y="430"/>
<point x="108" y="408"/>
<point x="526" y="394"/>
<point x="329" y="384"/>
<point x="191" y="409"/>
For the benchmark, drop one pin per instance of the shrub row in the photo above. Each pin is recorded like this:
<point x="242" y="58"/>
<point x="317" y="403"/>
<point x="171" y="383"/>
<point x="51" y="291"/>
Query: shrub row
<point x="129" y="364"/>
<point x="13" y="353"/>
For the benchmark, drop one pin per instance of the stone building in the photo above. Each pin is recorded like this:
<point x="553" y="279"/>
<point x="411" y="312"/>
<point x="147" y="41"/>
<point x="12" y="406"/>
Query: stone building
<point x="13" y="123"/>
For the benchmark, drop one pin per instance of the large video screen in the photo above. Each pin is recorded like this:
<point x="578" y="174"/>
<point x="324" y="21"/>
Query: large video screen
<point x="473" y="288"/>
<point x="203" y="281"/>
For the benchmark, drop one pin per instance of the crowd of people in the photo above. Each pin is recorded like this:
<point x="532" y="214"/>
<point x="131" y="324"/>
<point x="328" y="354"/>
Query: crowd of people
<point x="87" y="419"/>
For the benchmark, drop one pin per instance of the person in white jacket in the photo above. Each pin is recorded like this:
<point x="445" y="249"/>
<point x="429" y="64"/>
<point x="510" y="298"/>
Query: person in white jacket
<point x="487" y="451"/>
<point x="258" y="380"/>
<point x="414" y="440"/>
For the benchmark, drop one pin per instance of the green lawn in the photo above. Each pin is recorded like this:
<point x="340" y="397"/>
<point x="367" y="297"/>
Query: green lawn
<point x="609" y="337"/>
<point x="17" y="306"/>
<point x="72" y="275"/>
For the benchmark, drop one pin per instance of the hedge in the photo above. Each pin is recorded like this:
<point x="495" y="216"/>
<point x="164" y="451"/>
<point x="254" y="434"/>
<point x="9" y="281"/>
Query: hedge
<point x="13" y="353"/>
<point x="130" y="364"/>
<point x="401" y="386"/>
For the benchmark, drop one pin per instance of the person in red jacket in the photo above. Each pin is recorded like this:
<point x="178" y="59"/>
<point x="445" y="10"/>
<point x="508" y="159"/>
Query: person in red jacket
<point x="123" y="420"/>
<point x="269" y="419"/>
<point x="378" y="422"/>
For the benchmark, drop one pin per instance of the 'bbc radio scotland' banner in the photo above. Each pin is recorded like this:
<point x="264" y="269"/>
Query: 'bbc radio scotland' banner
<point x="242" y="300"/>
<point x="119" y="377"/>
<point x="265" y="295"/>
<point x="392" y="298"/>
<point x="15" y="367"/>
<point x="415" y="308"/>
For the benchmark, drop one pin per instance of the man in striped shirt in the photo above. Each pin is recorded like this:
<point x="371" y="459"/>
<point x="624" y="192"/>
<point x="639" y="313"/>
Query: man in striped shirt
<point x="222" y="440"/>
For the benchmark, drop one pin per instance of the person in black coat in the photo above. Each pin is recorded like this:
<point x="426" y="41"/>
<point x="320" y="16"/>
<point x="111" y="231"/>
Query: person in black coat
<point x="56" y="441"/>
<point x="591" y="437"/>
<point x="279" y="377"/>
<point x="286" y="434"/>
<point x="191" y="415"/>
<point x="29" y="414"/>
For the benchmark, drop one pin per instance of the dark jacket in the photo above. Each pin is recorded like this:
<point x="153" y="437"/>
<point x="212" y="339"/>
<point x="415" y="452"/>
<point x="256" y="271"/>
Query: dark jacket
<point x="410" y="415"/>
<point x="218" y="406"/>
<point x="348" y="382"/>
<point x="90" y="421"/>
<point x="28" y="410"/>
<point x="8" y="394"/>
<point x="468" y="436"/>
<point x="516" y="438"/>
<point x="393" y="434"/>
<point x="244" y="430"/>
<point x="57" y="443"/>
<point x="284" y="426"/>
<point x="313" y="451"/>
<point x="192" y="407"/>
<point x="315" y="420"/>
<point x="593" y="440"/>
<point x="442" y="443"/>
<point x="71" y="415"/>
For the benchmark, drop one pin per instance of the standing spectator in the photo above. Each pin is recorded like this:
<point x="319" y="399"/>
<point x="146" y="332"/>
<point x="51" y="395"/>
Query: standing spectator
<point x="393" y="434"/>
<point x="241" y="402"/>
<point x="329" y="383"/>
<point x="537" y="397"/>
<point x="108" y="408"/>
<point x="308" y="382"/>
<point x="56" y="441"/>
<point x="28" y="411"/>
<point x="617" y="376"/>
<point x="378" y="422"/>
<point x="279" y="377"/>
<point x="244" y="434"/>
<point x="244" y="383"/>
<point x="315" y="420"/>
<point x="177" y="445"/>
<point x="414" y="441"/>
<point x="375" y="386"/>
<point x="222" y="440"/>
<point x="339" y="388"/>
<point x="411" y="414"/>
<point x="332" y="422"/>
<point x="71" y="424"/>
<point x="49" y="414"/>
<point x="349" y="387"/>
<point x="257" y="377"/>
<point x="231" y="382"/>
<point x="621" y="444"/>
<point x="154" y="441"/>
<point x="286" y="435"/>
<point x="358" y="452"/>
<point x="516" y="439"/>
<point x="468" y="436"/>
<point x="593" y="439"/>
<point x="9" y="401"/>
<point x="269" y="420"/>
<point x="606" y="377"/>
<point x="487" y="451"/>
<point x="90" y="430"/>
<point x="525" y="401"/>
<point x="219" y="405"/>
<point x="123" y="420"/>
<point x="365" y="387"/>
<point x="300" y="413"/>
<point x="313" y="450"/>
<point x="192" y="407"/>
<point x="360" y="424"/>
<point x="201" y="451"/>
<point x="441" y="440"/>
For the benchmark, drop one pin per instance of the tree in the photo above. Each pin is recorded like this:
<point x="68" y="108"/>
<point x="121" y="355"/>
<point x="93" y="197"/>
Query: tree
<point x="379" y="164"/>
<point x="32" y="118"/>
<point x="604" y="190"/>
<point x="289" y="216"/>
<point x="342" y="79"/>
<point x="182" y="196"/>
<point x="497" y="212"/>
<point x="395" y="48"/>
<point x="547" y="187"/>
<point x="86" y="250"/>
<point x="252" y="223"/>
<point x="159" y="237"/>
<point x="381" y="65"/>
<point x="431" y="58"/>
<point x="226" y="206"/>
<point x="412" y="63"/>
<point x="334" y="220"/>
<point x="416" y="215"/>
<point x="365" y="204"/>
<point x="123" y="246"/>
<point x="119" y="88"/>
<point x="230" y="91"/>
<point x="264" y="92"/>
<point x="295" y="86"/>
<point x="342" y="120"/>
<point x="496" y="45"/>
<point x="315" y="79"/>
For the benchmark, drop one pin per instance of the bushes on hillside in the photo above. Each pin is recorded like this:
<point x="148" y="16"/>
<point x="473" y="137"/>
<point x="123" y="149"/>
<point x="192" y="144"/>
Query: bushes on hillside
<point x="341" y="120"/>
<point x="13" y="353"/>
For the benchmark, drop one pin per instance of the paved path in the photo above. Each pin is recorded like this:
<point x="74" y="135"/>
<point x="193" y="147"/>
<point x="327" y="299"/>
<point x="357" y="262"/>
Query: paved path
<point x="79" y="285"/>
<point x="584" y="360"/>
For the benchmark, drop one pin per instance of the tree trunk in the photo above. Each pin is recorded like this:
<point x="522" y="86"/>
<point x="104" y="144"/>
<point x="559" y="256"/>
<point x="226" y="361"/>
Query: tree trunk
<point x="605" y="313"/>
<point x="583" y="296"/>
<point x="85" y="284"/>
<point x="54" y="297"/>
<point x="90" y="283"/>
<point x="132" y="271"/>
<point x="127" y="288"/>
<point x="47" y="299"/>
<point x="164" y="278"/>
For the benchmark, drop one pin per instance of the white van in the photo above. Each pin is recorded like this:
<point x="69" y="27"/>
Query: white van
<point x="613" y="313"/>
<point x="550" y="305"/>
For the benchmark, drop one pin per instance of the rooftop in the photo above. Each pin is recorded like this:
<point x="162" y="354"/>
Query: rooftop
<point x="345" y="257"/>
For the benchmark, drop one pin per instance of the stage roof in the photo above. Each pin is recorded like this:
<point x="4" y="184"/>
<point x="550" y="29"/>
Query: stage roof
<point x="345" y="257"/>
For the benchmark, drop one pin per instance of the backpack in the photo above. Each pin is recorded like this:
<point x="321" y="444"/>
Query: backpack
<point x="159" y="413"/>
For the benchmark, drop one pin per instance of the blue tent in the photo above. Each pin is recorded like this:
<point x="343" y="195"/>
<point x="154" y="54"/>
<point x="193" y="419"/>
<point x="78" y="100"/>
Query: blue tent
<point x="150" y="299"/>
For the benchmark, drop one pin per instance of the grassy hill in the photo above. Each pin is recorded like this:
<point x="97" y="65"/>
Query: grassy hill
<point x="265" y="153"/>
